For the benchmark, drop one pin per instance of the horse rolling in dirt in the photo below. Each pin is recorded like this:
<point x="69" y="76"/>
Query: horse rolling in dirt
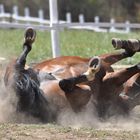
<point x="82" y="80"/>
<point x="33" y="94"/>
<point x="105" y="88"/>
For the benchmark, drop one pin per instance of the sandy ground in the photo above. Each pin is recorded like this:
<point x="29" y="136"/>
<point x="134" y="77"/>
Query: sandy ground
<point x="55" y="132"/>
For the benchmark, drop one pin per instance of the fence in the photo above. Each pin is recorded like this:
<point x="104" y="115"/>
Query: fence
<point x="14" y="20"/>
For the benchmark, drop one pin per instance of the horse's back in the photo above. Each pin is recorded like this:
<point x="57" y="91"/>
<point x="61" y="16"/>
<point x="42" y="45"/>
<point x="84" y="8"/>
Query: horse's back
<point x="64" y="66"/>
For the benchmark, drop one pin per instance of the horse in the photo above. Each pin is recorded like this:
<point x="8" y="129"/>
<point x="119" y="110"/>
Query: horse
<point x="33" y="100"/>
<point x="72" y="83"/>
<point x="69" y="66"/>
<point x="106" y="91"/>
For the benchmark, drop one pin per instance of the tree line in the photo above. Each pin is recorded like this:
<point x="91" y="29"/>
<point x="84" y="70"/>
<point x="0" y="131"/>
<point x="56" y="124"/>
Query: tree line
<point x="121" y="10"/>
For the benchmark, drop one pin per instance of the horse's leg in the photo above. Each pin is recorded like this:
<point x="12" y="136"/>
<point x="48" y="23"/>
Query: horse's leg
<point x="22" y="77"/>
<point x="131" y="85"/>
<point x="120" y="77"/>
<point x="30" y="35"/>
<point x="126" y="44"/>
<point x="131" y="91"/>
<point x="112" y="58"/>
<point x="69" y="84"/>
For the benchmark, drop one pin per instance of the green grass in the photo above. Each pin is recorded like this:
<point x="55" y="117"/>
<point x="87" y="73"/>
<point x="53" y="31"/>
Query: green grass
<point x="72" y="42"/>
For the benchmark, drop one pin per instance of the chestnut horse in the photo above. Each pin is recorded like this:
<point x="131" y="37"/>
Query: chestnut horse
<point x="69" y="82"/>
<point x="41" y="99"/>
<point x="101" y="90"/>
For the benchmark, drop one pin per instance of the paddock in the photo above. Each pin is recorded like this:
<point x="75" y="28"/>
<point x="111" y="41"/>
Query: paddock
<point x="73" y="126"/>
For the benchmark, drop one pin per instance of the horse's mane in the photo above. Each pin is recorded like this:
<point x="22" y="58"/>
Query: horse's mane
<point x="31" y="97"/>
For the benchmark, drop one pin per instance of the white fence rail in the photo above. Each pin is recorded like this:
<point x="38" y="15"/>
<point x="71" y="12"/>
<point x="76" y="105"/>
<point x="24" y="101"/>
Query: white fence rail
<point x="14" y="20"/>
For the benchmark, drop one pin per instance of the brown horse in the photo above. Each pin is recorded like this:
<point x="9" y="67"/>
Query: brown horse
<point x="64" y="83"/>
<point x="41" y="99"/>
<point x="69" y="66"/>
<point x="105" y="90"/>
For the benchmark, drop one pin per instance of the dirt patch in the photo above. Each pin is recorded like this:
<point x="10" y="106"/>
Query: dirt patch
<point x="55" y="132"/>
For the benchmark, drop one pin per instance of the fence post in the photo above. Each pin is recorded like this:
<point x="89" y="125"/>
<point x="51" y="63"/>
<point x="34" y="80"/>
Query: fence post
<point x="15" y="14"/>
<point x="112" y="28"/>
<point x="68" y="17"/>
<point x="96" y="21"/>
<point x="41" y="16"/>
<point x="27" y="14"/>
<point x="81" y="18"/>
<point x="2" y="8"/>
<point x="127" y="23"/>
<point x="55" y="30"/>
<point x="2" y="12"/>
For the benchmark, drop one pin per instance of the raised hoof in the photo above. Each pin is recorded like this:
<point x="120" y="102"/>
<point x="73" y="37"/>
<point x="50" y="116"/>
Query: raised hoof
<point x="131" y="45"/>
<point x="94" y="67"/>
<point x="95" y="63"/>
<point x="29" y="36"/>
<point x="117" y="43"/>
<point x="134" y="45"/>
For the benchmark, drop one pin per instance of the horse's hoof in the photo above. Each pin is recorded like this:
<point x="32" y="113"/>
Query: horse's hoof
<point x="94" y="67"/>
<point x="95" y="63"/>
<point x="29" y="36"/>
<point x="134" y="45"/>
<point x="131" y="45"/>
<point x="117" y="43"/>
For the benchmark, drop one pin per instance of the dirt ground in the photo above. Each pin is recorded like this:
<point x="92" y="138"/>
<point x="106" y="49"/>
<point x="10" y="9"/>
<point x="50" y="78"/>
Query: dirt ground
<point x="55" y="132"/>
<point x="115" y="129"/>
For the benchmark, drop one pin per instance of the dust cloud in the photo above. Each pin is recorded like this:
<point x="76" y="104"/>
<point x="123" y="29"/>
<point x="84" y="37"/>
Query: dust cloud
<point x="86" y="118"/>
<point x="8" y="106"/>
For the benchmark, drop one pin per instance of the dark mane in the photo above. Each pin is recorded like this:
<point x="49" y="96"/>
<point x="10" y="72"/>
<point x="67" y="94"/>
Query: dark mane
<point x="31" y="99"/>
